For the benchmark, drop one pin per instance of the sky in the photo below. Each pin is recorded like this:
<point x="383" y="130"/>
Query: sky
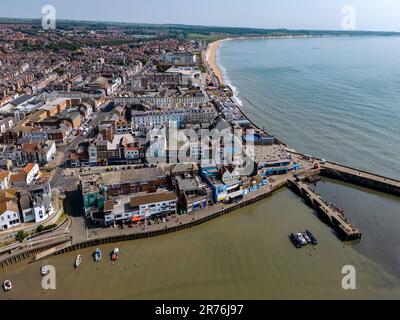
<point x="377" y="15"/>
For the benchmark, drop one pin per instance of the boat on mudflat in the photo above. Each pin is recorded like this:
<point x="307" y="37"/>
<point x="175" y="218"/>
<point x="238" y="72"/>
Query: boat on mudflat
<point x="97" y="255"/>
<point x="115" y="254"/>
<point x="301" y="239"/>
<point x="7" y="285"/>
<point x="44" y="270"/>
<point x="295" y="240"/>
<point x="78" y="261"/>
<point x="313" y="239"/>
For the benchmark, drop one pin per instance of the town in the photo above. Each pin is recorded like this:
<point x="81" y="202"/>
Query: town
<point x="112" y="131"/>
<point x="120" y="133"/>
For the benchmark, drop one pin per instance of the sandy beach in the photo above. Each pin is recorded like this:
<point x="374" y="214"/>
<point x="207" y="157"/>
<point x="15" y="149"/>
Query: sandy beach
<point x="211" y="56"/>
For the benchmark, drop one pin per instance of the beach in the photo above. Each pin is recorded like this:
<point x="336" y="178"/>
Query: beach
<point x="211" y="57"/>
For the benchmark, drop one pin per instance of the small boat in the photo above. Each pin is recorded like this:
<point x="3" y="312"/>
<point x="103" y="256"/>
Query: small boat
<point x="7" y="285"/>
<point x="44" y="270"/>
<point x="301" y="239"/>
<point x="97" y="255"/>
<point x="115" y="254"/>
<point x="305" y="235"/>
<point x="314" y="240"/>
<point x="296" y="242"/>
<point x="78" y="261"/>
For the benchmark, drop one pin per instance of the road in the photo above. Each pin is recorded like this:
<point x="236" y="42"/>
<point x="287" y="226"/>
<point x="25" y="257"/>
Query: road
<point x="58" y="178"/>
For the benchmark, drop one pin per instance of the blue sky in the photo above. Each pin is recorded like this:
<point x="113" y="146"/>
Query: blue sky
<point x="292" y="14"/>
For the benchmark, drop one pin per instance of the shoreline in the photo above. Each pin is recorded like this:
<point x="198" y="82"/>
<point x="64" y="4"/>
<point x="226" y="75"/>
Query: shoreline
<point x="211" y="59"/>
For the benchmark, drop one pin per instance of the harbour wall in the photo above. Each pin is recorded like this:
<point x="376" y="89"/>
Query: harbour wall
<point x="370" y="181"/>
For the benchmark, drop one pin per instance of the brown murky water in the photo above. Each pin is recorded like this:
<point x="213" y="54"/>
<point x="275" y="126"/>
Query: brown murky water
<point x="245" y="255"/>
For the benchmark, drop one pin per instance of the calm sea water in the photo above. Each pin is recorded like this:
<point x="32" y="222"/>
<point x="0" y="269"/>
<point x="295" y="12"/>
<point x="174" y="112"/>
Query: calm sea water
<point x="338" y="99"/>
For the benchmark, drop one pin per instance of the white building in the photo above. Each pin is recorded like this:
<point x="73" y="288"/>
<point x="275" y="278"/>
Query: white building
<point x="166" y="102"/>
<point x="154" y="204"/>
<point x="189" y="74"/>
<point x="9" y="216"/>
<point x="4" y="180"/>
<point x="178" y="116"/>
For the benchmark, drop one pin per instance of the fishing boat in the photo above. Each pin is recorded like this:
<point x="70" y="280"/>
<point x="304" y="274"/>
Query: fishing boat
<point x="314" y="240"/>
<point x="97" y="255"/>
<point x="7" y="285"/>
<point x="115" y="254"/>
<point x="78" y="261"/>
<point x="305" y="235"/>
<point x="44" y="270"/>
<point x="296" y="242"/>
<point x="301" y="239"/>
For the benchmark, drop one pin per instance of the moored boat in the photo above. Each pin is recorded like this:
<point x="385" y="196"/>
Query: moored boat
<point x="305" y="235"/>
<point x="295" y="240"/>
<point x="97" y="255"/>
<point x="78" y="261"/>
<point x="44" y="270"/>
<point x="314" y="240"/>
<point x="301" y="239"/>
<point x="115" y="254"/>
<point x="7" y="285"/>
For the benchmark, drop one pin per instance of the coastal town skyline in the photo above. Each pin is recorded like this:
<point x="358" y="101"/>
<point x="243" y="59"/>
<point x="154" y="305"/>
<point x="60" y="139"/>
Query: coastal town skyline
<point x="310" y="15"/>
<point x="185" y="161"/>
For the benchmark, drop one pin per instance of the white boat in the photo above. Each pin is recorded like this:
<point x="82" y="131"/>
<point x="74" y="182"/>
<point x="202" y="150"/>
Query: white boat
<point x="302" y="239"/>
<point x="78" y="261"/>
<point x="7" y="285"/>
<point x="115" y="254"/>
<point x="44" y="270"/>
<point x="97" y="255"/>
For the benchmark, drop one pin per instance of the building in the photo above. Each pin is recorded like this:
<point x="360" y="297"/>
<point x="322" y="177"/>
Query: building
<point x="97" y="188"/>
<point x="154" y="204"/>
<point x="26" y="176"/>
<point x="4" y="179"/>
<point x="37" y="152"/>
<point x="179" y="117"/>
<point x="40" y="204"/>
<point x="223" y="181"/>
<point x="9" y="212"/>
<point x="179" y="59"/>
<point x="193" y="193"/>
<point x="189" y="74"/>
<point x="164" y="102"/>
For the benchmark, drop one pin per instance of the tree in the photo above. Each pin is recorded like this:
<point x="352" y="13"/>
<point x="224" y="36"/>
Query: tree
<point x="21" y="235"/>
<point x="40" y="228"/>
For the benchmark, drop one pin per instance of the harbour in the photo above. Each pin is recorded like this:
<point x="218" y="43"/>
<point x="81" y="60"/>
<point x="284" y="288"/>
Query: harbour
<point x="246" y="254"/>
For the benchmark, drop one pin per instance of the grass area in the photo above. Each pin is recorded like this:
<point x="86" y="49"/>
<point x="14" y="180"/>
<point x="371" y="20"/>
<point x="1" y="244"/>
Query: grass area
<point x="62" y="219"/>
<point x="7" y="243"/>
<point x="206" y="37"/>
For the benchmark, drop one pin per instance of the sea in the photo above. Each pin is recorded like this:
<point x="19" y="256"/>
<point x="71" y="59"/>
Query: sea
<point x="336" y="98"/>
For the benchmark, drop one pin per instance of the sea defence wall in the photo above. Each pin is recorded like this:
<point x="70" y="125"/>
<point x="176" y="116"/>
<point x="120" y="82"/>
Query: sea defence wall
<point x="27" y="255"/>
<point x="361" y="178"/>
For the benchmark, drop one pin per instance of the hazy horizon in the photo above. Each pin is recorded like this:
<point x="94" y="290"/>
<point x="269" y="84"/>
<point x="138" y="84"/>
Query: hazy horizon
<point x="271" y="14"/>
